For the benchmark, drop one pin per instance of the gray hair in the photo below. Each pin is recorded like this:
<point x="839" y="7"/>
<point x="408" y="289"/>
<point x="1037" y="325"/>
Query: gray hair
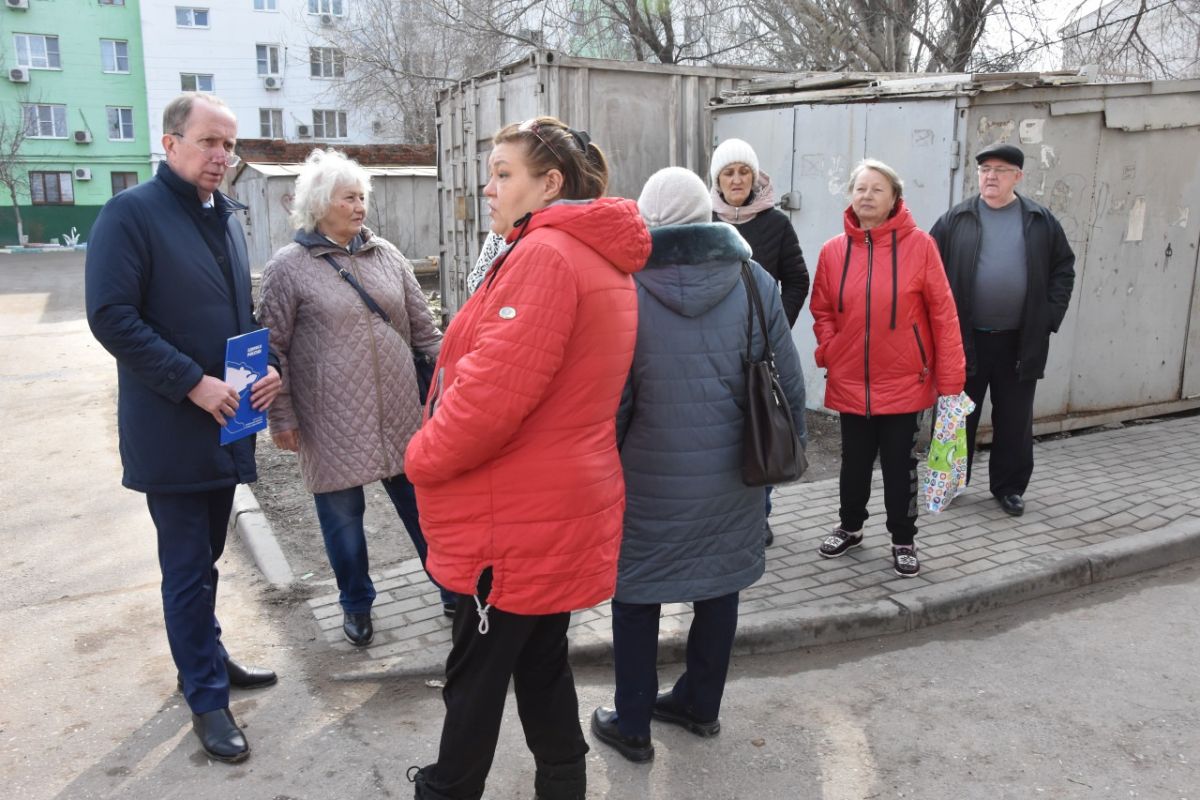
<point x="323" y="173"/>
<point x="883" y="169"/>
<point x="175" y="115"/>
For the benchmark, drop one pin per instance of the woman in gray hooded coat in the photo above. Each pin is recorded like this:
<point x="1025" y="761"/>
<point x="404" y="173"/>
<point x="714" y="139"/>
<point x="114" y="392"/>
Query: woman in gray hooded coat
<point x="693" y="529"/>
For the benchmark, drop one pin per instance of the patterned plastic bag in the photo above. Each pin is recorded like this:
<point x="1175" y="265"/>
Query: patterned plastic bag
<point x="947" y="475"/>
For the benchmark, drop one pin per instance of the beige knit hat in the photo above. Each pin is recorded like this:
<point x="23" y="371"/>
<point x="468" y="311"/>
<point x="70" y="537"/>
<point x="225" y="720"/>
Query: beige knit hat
<point x="675" y="196"/>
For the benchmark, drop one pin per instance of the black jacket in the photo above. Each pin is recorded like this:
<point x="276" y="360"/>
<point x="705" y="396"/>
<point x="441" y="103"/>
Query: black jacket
<point x="167" y="282"/>
<point x="775" y="247"/>
<point x="1048" y="258"/>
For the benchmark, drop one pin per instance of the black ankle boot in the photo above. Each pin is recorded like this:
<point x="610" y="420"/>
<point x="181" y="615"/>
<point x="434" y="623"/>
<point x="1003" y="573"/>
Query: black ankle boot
<point x="560" y="781"/>
<point x="420" y="778"/>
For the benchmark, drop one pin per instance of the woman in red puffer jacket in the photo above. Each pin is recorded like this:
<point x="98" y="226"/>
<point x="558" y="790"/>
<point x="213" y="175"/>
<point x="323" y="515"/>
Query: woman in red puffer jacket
<point x="888" y="337"/>
<point x="516" y="467"/>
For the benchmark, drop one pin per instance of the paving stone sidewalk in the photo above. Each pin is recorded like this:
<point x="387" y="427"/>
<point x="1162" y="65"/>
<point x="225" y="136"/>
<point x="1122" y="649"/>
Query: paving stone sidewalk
<point x="1100" y="505"/>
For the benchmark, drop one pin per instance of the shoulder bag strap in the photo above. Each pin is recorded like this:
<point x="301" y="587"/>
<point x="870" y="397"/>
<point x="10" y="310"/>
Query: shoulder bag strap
<point x="756" y="309"/>
<point x="366" y="298"/>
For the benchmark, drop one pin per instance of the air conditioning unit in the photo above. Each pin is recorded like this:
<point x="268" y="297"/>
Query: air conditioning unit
<point x="17" y="3"/>
<point x="304" y="131"/>
<point x="18" y="75"/>
<point x="327" y="19"/>
<point x="82" y="137"/>
<point x="272" y="82"/>
<point x="83" y="173"/>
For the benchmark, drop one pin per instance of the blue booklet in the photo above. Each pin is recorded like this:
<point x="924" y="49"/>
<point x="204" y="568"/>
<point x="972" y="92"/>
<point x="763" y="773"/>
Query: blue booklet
<point x="245" y="363"/>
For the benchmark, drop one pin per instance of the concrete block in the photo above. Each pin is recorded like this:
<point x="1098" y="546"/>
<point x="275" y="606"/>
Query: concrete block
<point x="1007" y="557"/>
<point x="1151" y="522"/>
<point x="1128" y="555"/>
<point x="254" y="529"/>
<point x="1012" y="583"/>
<point x="816" y="624"/>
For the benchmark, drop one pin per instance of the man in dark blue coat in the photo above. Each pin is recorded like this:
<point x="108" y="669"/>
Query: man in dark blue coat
<point x="168" y="282"/>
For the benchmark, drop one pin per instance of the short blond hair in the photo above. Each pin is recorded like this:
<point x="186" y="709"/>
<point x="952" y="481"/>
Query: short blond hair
<point x="883" y="169"/>
<point x="323" y="173"/>
<point x="177" y="112"/>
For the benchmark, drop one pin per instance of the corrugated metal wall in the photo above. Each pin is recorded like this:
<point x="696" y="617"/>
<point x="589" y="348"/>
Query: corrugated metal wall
<point x="644" y="116"/>
<point x="1116" y="163"/>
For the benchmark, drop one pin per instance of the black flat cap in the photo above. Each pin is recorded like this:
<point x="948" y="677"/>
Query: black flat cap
<point x="1004" y="152"/>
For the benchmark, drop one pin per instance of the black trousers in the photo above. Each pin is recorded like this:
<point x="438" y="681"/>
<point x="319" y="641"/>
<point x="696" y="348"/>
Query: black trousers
<point x="893" y="438"/>
<point x="635" y="658"/>
<point x="191" y="538"/>
<point x="532" y="650"/>
<point x="1010" y="465"/>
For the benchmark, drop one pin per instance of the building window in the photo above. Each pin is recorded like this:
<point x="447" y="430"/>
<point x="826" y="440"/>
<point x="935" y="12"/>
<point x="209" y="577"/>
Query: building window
<point x="329" y="124"/>
<point x="191" y="17"/>
<point x="45" y="121"/>
<point x="268" y="59"/>
<point x="120" y="124"/>
<point x="327" y="62"/>
<point x="36" y="51"/>
<point x="193" y="82"/>
<point x="325" y="7"/>
<point x="51" y="189"/>
<point x="123" y="180"/>
<point x="265" y="5"/>
<point x="114" y="55"/>
<point x="270" y="123"/>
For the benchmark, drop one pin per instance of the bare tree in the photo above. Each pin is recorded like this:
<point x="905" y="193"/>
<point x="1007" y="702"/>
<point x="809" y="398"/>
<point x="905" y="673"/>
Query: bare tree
<point x="1137" y="39"/>
<point x="13" y="175"/>
<point x="399" y="52"/>
<point x="896" y="35"/>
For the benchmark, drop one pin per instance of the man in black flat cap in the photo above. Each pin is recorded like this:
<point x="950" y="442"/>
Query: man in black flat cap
<point x="1011" y="271"/>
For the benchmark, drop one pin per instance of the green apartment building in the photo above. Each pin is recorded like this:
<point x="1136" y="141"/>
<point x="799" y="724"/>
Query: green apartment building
<point x="73" y="106"/>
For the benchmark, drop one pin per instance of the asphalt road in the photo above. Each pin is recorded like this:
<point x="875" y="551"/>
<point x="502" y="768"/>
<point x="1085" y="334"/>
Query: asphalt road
<point x="1091" y="694"/>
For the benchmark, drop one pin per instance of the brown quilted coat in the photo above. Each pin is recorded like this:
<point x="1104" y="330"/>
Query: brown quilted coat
<point x="349" y="384"/>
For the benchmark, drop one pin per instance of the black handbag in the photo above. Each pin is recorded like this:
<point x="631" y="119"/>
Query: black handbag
<point x="422" y="362"/>
<point x="771" y="450"/>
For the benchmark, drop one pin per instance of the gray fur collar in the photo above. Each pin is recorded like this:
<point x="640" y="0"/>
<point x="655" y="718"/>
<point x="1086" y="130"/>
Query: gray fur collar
<point x="701" y="243"/>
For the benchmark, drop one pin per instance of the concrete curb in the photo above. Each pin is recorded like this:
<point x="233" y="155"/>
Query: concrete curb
<point x="819" y="623"/>
<point x="816" y="624"/>
<point x="251" y="523"/>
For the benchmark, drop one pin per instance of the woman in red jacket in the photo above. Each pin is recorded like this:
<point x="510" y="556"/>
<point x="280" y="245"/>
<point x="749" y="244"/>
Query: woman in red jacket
<point x="516" y="467"/>
<point x="888" y="338"/>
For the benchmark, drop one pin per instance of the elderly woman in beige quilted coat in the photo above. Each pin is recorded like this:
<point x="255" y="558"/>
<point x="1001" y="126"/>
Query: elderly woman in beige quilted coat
<point x="350" y="402"/>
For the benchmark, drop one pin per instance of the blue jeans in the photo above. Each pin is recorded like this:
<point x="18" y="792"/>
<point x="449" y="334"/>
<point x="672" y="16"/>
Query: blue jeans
<point x="341" y="517"/>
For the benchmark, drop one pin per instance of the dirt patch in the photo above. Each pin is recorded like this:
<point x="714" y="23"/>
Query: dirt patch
<point x="289" y="507"/>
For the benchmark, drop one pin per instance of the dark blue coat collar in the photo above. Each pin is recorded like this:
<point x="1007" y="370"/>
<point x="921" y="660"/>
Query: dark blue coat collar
<point x="222" y="203"/>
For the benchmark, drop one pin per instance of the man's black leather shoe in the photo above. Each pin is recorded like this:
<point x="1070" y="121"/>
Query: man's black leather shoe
<point x="636" y="748"/>
<point x="358" y="628"/>
<point x="241" y="677"/>
<point x="667" y="710"/>
<point x="220" y="736"/>
<point x="1012" y="504"/>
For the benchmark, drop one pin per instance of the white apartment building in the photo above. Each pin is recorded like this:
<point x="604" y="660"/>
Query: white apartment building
<point x="263" y="57"/>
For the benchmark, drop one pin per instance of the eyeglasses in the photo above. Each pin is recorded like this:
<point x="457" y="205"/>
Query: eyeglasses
<point x="230" y="159"/>
<point x="532" y="126"/>
<point x="997" y="170"/>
